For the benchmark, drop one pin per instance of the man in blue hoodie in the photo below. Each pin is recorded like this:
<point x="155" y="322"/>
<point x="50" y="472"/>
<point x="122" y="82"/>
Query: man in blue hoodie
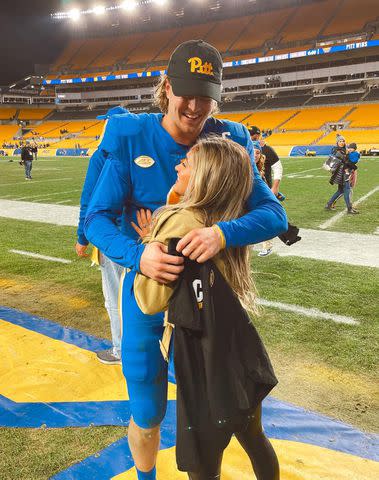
<point x="143" y="151"/>
<point x="110" y="271"/>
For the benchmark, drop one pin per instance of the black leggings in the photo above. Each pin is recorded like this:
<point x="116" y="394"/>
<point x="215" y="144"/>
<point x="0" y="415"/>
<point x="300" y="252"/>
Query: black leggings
<point x="255" y="443"/>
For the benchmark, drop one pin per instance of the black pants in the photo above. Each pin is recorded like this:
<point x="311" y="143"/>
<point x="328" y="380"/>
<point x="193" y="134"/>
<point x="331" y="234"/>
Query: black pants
<point x="255" y="443"/>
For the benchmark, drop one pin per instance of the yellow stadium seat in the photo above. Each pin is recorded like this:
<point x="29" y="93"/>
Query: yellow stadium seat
<point x="313" y="118"/>
<point x="364" y="116"/>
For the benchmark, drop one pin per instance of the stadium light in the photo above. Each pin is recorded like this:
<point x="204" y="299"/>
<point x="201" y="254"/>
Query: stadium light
<point x="99" y="9"/>
<point x="74" y="14"/>
<point x="160" y="3"/>
<point x="128" y="5"/>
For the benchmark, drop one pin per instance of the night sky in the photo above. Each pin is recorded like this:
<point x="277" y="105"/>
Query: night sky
<point x="28" y="36"/>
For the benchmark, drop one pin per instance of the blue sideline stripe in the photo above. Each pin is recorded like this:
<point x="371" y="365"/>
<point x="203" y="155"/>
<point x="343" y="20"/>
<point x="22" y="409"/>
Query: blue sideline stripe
<point x="53" y="330"/>
<point x="117" y="458"/>
<point x="282" y="420"/>
<point x="63" y="414"/>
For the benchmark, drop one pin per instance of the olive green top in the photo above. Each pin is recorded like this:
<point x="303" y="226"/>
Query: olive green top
<point x="153" y="297"/>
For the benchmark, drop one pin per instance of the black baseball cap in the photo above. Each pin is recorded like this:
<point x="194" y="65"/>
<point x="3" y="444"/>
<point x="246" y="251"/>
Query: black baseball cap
<point x="195" y="69"/>
<point x="254" y="130"/>
<point x="352" y="145"/>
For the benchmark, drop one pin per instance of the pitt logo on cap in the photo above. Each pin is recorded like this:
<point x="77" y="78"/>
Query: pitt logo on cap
<point x="197" y="66"/>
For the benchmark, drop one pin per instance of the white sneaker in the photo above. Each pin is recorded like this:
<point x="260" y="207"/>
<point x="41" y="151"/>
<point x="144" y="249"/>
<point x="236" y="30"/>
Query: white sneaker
<point x="264" y="253"/>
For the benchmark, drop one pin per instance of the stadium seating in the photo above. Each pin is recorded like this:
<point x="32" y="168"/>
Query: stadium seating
<point x="7" y="113"/>
<point x="7" y="132"/>
<point x="308" y="20"/>
<point x="293" y="138"/>
<point x="87" y="52"/>
<point x="117" y="50"/>
<point x="34" y="113"/>
<point x="351" y="16"/>
<point x="262" y="27"/>
<point x="46" y="129"/>
<point x="373" y="95"/>
<point x="184" y="34"/>
<point x="73" y="143"/>
<point x="333" y="99"/>
<point x="66" y="55"/>
<point x="366" y="137"/>
<point x="364" y="116"/>
<point x="269" y="119"/>
<point x="314" y="118"/>
<point x="234" y="117"/>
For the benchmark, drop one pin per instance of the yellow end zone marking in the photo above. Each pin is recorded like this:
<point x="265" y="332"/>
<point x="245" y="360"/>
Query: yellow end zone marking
<point x="37" y="368"/>
<point x="298" y="461"/>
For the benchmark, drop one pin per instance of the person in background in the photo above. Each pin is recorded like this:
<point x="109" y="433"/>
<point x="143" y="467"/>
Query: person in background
<point x="272" y="174"/>
<point x="353" y="158"/>
<point x="35" y="150"/>
<point x="341" y="176"/>
<point x="110" y="271"/>
<point x="27" y="159"/>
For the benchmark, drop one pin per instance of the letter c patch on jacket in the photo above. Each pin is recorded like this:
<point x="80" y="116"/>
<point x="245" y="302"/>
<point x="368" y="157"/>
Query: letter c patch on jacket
<point x="144" y="161"/>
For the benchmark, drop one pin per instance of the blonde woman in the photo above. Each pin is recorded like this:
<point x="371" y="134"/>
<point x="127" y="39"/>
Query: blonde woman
<point x="214" y="182"/>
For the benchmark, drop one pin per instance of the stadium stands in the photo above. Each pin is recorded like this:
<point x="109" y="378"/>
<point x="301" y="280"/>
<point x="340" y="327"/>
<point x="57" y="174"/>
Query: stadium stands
<point x="7" y="113"/>
<point x="364" y="116"/>
<point x="351" y="16"/>
<point x="34" y="113"/>
<point x="269" y="119"/>
<point x="333" y="99"/>
<point x="278" y="31"/>
<point x="361" y="137"/>
<point x="314" y="118"/>
<point x="184" y="34"/>
<point x="297" y="111"/>
<point x="295" y="138"/>
<point x="7" y="132"/>
<point x="308" y="20"/>
<point x="234" y="117"/>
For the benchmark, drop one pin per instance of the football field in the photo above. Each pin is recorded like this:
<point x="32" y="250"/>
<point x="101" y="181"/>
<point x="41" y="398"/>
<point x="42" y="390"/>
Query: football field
<point x="320" y="323"/>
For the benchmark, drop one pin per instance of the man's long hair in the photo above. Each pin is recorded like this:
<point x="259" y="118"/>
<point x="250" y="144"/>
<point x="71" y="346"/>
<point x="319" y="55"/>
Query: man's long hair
<point x="161" y="100"/>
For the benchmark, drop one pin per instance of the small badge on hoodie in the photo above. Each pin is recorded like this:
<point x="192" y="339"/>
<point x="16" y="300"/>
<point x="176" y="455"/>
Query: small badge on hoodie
<point x="211" y="278"/>
<point x="144" y="161"/>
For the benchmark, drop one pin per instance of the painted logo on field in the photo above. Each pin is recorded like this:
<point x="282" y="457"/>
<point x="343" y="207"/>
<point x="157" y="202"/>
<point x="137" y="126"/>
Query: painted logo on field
<point x="144" y="161"/>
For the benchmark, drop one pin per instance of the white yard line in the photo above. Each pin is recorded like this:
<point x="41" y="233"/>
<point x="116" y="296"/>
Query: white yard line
<point x="41" y="257"/>
<point x="40" y="212"/>
<point x="63" y="201"/>
<point x="292" y="175"/>
<point x="336" y="217"/>
<point x="308" y="312"/>
<point x="35" y="181"/>
<point x="37" y="197"/>
<point x="324" y="245"/>
<point x="341" y="247"/>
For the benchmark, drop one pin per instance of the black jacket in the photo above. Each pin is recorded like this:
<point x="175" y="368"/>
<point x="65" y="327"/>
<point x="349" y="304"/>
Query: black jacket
<point x="26" y="154"/>
<point x="222" y="369"/>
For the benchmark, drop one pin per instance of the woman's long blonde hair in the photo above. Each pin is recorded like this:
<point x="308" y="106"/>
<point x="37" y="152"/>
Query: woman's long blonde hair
<point x="219" y="186"/>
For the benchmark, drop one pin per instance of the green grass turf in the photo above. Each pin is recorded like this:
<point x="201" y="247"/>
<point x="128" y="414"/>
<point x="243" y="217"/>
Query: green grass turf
<point x="32" y="454"/>
<point x="305" y="184"/>
<point x="307" y="189"/>
<point x="294" y="341"/>
<point x="328" y="286"/>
